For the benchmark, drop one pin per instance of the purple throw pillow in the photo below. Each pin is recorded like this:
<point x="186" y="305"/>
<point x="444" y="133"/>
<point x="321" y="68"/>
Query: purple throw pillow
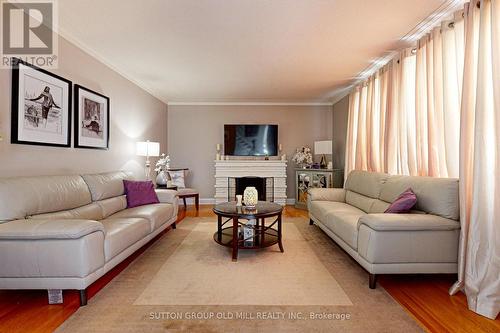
<point x="140" y="193"/>
<point x="404" y="203"/>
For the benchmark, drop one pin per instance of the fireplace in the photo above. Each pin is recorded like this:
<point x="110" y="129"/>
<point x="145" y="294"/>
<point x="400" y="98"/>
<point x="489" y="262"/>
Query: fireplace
<point x="264" y="186"/>
<point x="273" y="171"/>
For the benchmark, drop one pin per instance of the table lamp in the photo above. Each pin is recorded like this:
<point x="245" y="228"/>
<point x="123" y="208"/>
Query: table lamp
<point x="323" y="148"/>
<point x="148" y="149"/>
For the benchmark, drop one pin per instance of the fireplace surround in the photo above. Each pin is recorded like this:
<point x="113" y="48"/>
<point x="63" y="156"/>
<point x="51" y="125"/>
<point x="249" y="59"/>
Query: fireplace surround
<point x="253" y="172"/>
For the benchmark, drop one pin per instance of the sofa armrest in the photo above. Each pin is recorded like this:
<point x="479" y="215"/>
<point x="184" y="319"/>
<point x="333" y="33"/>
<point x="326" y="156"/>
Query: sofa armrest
<point x="327" y="194"/>
<point x="407" y="222"/>
<point x="48" y="229"/>
<point x="167" y="196"/>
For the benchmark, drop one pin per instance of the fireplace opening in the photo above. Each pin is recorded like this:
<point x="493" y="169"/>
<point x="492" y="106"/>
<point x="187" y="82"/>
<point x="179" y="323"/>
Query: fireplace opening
<point x="264" y="186"/>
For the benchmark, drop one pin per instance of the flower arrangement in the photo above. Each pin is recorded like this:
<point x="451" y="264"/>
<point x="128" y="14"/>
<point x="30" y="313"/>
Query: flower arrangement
<point x="303" y="156"/>
<point x="163" y="163"/>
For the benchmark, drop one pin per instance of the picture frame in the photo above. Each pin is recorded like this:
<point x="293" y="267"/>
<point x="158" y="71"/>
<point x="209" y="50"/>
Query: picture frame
<point x="91" y="120"/>
<point x="41" y="107"/>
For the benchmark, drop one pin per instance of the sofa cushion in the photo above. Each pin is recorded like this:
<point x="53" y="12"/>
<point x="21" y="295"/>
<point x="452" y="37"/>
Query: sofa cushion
<point x="106" y="185"/>
<point x="88" y="212"/>
<point x="437" y="196"/>
<point x="48" y="229"/>
<point x="321" y="209"/>
<point x="359" y="201"/>
<point x="345" y="225"/>
<point x="112" y="205"/>
<point x="121" y="233"/>
<point x="378" y="206"/>
<point x="366" y="183"/>
<point x="24" y="196"/>
<point x="156" y="214"/>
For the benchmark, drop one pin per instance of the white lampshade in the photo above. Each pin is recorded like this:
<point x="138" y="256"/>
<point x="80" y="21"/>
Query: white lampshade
<point x="323" y="147"/>
<point x="148" y="148"/>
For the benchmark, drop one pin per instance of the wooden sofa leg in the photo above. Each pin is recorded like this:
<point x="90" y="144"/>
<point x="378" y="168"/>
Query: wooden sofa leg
<point x="311" y="222"/>
<point x="83" y="297"/>
<point x="174" y="226"/>
<point x="372" y="280"/>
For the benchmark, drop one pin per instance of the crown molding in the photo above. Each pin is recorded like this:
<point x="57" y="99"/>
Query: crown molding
<point x="173" y="103"/>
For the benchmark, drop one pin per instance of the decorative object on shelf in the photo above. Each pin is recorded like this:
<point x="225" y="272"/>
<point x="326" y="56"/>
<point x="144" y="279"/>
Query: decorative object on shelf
<point x="283" y="157"/>
<point x="314" y="178"/>
<point x="218" y="155"/>
<point x="91" y="119"/>
<point x="303" y="157"/>
<point x="251" y="196"/>
<point x="41" y="107"/>
<point x="162" y="166"/>
<point x="330" y="165"/>
<point x="239" y="199"/>
<point x="249" y="232"/>
<point x="323" y="148"/>
<point x="148" y="149"/>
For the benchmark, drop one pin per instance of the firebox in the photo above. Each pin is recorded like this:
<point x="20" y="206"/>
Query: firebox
<point x="264" y="186"/>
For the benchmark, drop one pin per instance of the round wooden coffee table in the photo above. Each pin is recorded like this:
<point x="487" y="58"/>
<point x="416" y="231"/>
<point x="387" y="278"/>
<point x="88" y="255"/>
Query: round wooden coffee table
<point x="262" y="236"/>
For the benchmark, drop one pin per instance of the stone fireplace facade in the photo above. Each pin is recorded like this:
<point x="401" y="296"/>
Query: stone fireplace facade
<point x="233" y="176"/>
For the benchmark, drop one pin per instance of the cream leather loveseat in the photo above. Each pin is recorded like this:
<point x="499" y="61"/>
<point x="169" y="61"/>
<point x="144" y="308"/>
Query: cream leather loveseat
<point x="425" y="241"/>
<point x="64" y="232"/>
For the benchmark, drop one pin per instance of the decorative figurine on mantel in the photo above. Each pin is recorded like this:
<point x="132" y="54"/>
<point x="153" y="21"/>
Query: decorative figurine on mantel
<point x="303" y="157"/>
<point x="218" y="155"/>
<point x="162" y="167"/>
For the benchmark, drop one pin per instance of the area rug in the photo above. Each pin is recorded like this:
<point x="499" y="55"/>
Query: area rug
<point x="187" y="282"/>
<point x="259" y="277"/>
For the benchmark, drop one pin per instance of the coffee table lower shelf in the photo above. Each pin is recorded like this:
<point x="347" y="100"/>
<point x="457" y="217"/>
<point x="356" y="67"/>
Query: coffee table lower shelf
<point x="262" y="239"/>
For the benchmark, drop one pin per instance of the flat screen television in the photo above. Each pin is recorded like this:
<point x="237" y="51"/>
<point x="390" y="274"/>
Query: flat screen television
<point x="251" y="140"/>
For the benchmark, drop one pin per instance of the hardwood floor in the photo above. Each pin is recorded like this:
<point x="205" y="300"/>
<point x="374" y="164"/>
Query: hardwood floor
<point x="425" y="297"/>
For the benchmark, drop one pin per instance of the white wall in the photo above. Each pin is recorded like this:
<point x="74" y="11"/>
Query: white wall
<point x="135" y="115"/>
<point x="193" y="132"/>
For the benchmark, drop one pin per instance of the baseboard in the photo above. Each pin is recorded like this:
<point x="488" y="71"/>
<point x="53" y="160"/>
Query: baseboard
<point x="211" y="201"/>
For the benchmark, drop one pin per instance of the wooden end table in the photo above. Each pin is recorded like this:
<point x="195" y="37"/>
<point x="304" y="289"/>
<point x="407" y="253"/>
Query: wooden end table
<point x="263" y="235"/>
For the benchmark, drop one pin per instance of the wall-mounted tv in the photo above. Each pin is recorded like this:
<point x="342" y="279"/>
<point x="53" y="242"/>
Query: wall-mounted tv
<point x="251" y="140"/>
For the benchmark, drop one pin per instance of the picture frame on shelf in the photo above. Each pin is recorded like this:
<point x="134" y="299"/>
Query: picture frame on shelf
<point x="91" y="119"/>
<point x="41" y="107"/>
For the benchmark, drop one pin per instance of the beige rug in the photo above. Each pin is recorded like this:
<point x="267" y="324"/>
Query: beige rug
<point x="262" y="277"/>
<point x="186" y="282"/>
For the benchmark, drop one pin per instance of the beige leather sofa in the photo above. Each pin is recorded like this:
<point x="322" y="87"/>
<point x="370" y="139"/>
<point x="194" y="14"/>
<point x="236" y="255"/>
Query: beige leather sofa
<point x="64" y="232"/>
<point x="425" y="241"/>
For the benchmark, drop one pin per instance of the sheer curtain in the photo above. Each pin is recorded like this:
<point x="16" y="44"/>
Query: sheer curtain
<point x="435" y="111"/>
<point x="397" y="118"/>
<point x="479" y="257"/>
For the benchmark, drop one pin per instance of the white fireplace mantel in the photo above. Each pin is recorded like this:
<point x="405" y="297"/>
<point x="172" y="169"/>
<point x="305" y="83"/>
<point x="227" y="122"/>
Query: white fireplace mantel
<point x="225" y="169"/>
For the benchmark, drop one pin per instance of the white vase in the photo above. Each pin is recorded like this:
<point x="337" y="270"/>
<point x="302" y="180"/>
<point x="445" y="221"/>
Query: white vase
<point x="250" y="196"/>
<point x="162" y="178"/>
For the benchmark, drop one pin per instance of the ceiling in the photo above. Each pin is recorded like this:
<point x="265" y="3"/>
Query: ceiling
<point x="290" y="51"/>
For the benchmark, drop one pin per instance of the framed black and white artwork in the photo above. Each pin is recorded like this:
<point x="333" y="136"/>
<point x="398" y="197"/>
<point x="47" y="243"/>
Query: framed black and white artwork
<point x="91" y="119"/>
<point x="41" y="107"/>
